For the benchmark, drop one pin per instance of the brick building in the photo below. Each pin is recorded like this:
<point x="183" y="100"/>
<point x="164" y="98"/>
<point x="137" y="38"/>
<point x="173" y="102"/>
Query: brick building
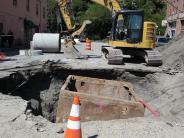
<point x="175" y="17"/>
<point x="23" y="18"/>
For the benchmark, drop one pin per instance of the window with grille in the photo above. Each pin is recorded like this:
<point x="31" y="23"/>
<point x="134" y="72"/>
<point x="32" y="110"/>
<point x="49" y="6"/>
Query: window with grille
<point x="44" y="13"/>
<point x="37" y="9"/>
<point x="14" y="3"/>
<point x="27" y="5"/>
<point x="182" y="25"/>
<point x="1" y="28"/>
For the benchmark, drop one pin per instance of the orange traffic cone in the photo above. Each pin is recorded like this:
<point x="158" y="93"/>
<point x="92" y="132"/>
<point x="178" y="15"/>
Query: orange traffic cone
<point x="2" y="56"/>
<point x="73" y="126"/>
<point x="88" y="44"/>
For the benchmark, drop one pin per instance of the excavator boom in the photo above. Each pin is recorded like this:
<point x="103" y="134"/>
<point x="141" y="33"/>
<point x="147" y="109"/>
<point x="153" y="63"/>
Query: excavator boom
<point x="66" y="12"/>
<point x="69" y="19"/>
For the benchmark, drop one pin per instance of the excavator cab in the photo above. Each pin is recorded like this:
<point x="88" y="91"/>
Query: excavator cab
<point x="128" y="26"/>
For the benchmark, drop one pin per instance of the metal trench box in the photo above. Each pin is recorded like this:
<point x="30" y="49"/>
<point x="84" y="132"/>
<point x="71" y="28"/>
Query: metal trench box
<point x="100" y="99"/>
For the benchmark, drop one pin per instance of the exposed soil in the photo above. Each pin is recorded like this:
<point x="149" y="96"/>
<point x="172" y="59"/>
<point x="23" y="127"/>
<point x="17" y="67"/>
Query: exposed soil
<point x="41" y="89"/>
<point x="164" y="91"/>
<point x="174" y="54"/>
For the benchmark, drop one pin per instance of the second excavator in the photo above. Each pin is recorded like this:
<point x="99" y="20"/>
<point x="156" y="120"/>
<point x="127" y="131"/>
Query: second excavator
<point x="130" y="35"/>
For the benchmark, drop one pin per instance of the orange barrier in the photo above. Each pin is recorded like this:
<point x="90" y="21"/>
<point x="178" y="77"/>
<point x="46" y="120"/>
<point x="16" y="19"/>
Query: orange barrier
<point x="2" y="56"/>
<point x="88" y="44"/>
<point x="73" y="125"/>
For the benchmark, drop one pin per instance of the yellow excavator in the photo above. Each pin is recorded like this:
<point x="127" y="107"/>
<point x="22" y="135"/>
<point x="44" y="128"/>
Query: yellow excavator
<point x="130" y="35"/>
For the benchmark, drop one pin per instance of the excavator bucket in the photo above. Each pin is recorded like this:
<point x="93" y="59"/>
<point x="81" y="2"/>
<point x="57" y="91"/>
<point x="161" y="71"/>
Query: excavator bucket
<point x="70" y="51"/>
<point x="100" y="99"/>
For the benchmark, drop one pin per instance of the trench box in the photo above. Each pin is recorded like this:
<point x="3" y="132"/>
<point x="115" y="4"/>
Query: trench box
<point x="100" y="99"/>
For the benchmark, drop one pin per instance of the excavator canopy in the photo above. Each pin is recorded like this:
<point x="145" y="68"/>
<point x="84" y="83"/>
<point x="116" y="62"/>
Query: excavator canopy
<point x="128" y="26"/>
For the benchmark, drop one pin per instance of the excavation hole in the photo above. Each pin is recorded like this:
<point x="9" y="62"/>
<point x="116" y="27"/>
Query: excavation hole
<point x="41" y="89"/>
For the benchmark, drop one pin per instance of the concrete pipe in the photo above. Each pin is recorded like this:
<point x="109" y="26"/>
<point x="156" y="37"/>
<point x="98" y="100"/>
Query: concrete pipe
<point x="47" y="42"/>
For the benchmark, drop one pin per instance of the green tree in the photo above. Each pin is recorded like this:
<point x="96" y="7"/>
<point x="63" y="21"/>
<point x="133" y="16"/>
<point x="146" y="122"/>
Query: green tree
<point x="99" y="15"/>
<point x="101" y="18"/>
<point x="97" y="12"/>
<point x="154" y="10"/>
<point x="52" y="16"/>
<point x="79" y="7"/>
<point x="84" y="9"/>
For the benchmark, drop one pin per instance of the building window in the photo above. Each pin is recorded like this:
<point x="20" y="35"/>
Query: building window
<point x="14" y="3"/>
<point x="43" y="13"/>
<point x="1" y="28"/>
<point x="182" y="25"/>
<point x="37" y="9"/>
<point x="27" y="5"/>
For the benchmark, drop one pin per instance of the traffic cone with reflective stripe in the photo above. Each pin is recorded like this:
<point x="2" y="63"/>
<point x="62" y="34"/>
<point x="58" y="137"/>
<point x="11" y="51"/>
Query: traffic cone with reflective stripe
<point x="88" y="44"/>
<point x="73" y="126"/>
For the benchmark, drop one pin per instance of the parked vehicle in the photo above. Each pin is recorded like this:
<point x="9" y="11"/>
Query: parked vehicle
<point x="82" y="38"/>
<point x="161" y="41"/>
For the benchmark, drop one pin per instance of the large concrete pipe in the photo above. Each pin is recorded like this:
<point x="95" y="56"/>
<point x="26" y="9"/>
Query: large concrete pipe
<point x="47" y="42"/>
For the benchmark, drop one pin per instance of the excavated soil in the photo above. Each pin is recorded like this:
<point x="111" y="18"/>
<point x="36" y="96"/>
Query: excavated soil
<point x="173" y="54"/>
<point x="163" y="91"/>
<point x="41" y="88"/>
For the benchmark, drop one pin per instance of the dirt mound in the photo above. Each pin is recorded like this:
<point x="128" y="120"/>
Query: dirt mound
<point x="173" y="54"/>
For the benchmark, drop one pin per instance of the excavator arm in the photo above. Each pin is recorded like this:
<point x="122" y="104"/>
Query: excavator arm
<point x="69" y="19"/>
<point x="66" y="12"/>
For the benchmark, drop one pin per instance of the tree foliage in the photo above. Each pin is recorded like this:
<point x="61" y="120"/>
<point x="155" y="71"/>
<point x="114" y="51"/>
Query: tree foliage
<point x="99" y="15"/>
<point x="101" y="18"/>
<point x="84" y="9"/>
<point x="52" y="16"/>
<point x="154" y="10"/>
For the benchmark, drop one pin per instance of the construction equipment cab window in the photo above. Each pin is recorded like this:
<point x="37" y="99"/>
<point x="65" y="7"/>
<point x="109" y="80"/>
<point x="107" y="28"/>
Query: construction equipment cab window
<point x="128" y="26"/>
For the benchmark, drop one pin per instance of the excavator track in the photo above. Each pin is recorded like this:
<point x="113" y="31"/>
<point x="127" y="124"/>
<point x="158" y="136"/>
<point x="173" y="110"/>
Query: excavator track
<point x="115" y="56"/>
<point x="153" y="57"/>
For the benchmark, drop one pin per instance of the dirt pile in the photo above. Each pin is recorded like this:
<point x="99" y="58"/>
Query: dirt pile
<point x="173" y="54"/>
